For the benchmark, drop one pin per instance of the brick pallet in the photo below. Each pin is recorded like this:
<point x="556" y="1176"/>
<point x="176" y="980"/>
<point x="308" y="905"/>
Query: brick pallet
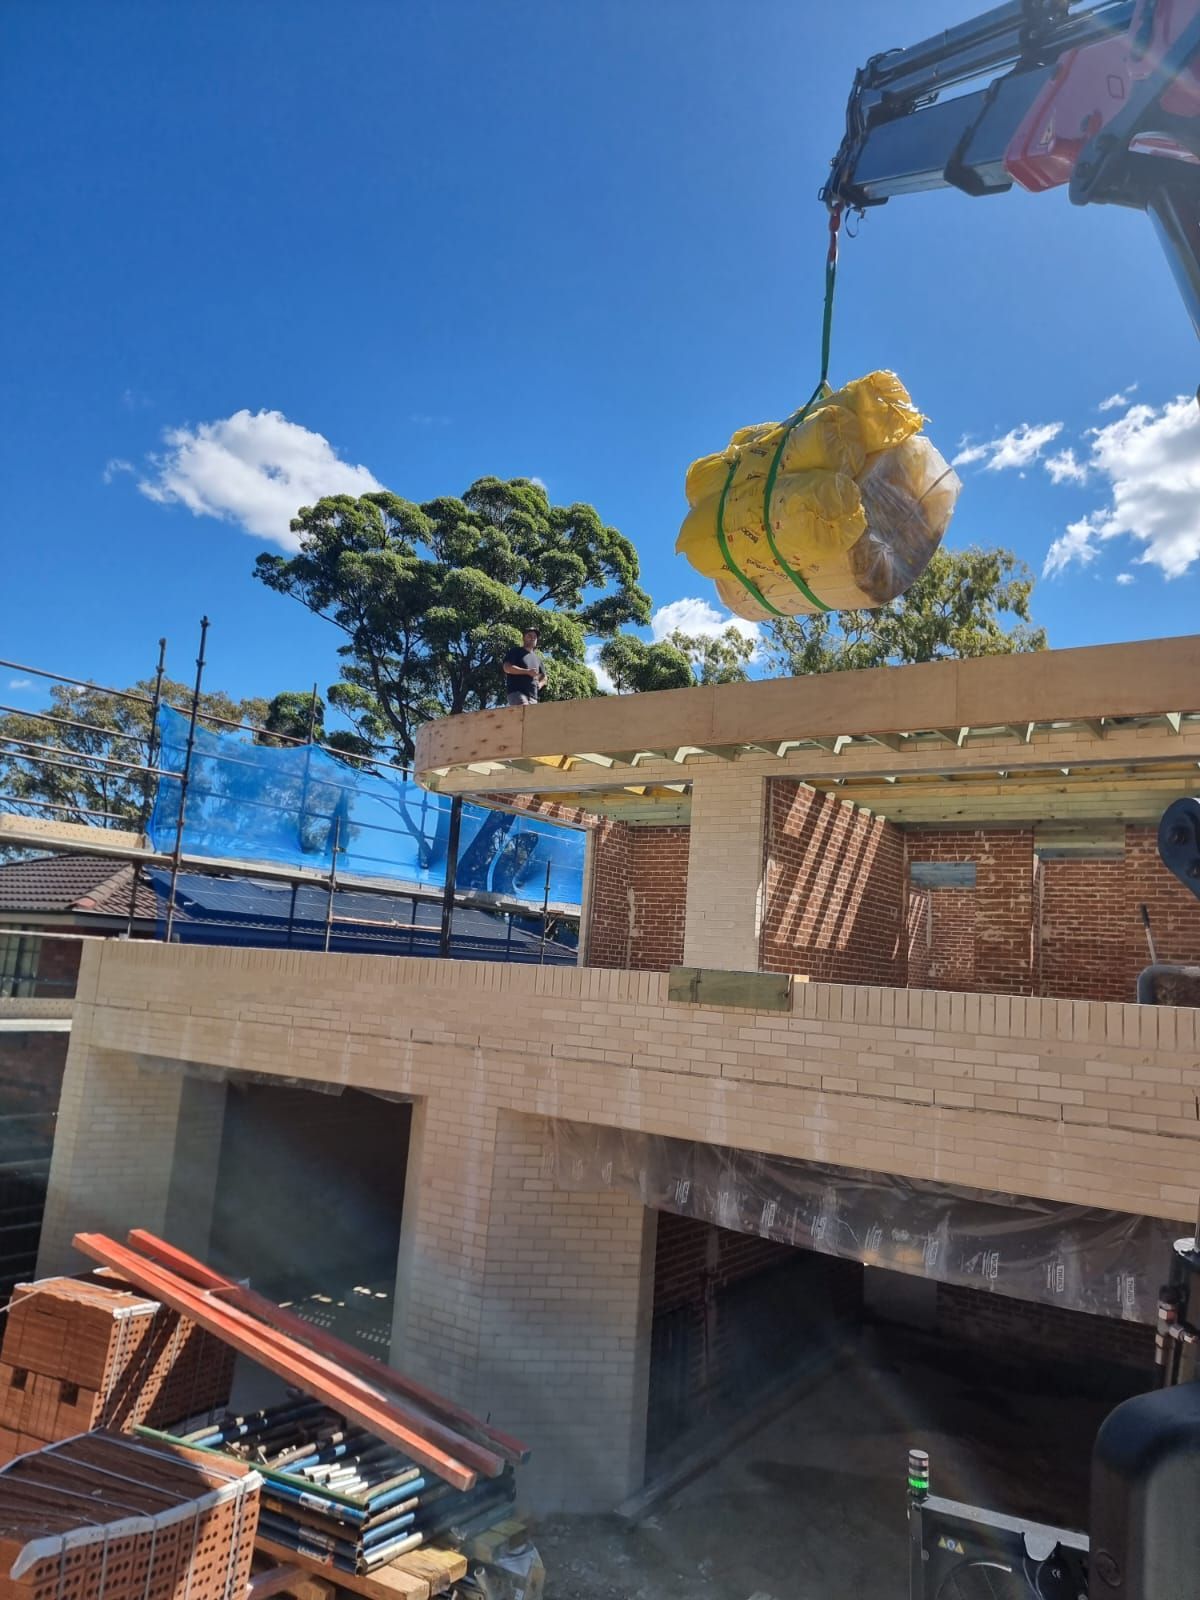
<point x="103" y="1517"/>
<point x="80" y="1354"/>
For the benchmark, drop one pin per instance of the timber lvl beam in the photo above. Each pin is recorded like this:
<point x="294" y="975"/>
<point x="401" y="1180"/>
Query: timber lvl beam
<point x="947" y="701"/>
<point x="941" y="743"/>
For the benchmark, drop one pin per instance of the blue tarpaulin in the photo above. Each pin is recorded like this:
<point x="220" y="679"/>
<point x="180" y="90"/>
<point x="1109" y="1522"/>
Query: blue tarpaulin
<point x="286" y="804"/>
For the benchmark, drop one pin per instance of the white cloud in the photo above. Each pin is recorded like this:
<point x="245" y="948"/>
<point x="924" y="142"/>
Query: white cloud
<point x="20" y="683"/>
<point x="115" y="466"/>
<point x="592" y="657"/>
<point x="540" y="483"/>
<point x="1064" y="468"/>
<point x="1125" y="578"/>
<point x="254" y="468"/>
<point x="1149" y="461"/>
<point x="1074" y="545"/>
<point x="1016" y="448"/>
<point x="1116" y="401"/>
<point x="698" y="619"/>
<point x="967" y="452"/>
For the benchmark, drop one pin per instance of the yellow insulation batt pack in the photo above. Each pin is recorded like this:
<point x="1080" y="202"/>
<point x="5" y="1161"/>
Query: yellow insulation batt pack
<point x="840" y="507"/>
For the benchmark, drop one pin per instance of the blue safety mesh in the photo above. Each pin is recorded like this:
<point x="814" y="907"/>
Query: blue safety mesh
<point x="248" y="802"/>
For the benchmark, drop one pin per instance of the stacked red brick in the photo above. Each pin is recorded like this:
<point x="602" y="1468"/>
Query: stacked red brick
<point x="106" y="1518"/>
<point x="81" y="1354"/>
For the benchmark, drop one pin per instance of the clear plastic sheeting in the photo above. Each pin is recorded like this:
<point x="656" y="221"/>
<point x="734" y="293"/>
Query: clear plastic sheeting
<point x="288" y="804"/>
<point x="1075" y="1257"/>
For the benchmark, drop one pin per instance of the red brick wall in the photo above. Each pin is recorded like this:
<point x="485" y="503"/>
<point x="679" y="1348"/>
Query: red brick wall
<point x="838" y="907"/>
<point x="1003" y="902"/>
<point x="609" y="913"/>
<point x="834" y="890"/>
<point x="31" y="1072"/>
<point x="941" y="939"/>
<point x="1174" y="912"/>
<point x="1093" y="944"/>
<point x="976" y="1317"/>
<point x="690" y="1253"/>
<point x="658" y="864"/>
<point x="638" y="897"/>
<point x="1085" y="935"/>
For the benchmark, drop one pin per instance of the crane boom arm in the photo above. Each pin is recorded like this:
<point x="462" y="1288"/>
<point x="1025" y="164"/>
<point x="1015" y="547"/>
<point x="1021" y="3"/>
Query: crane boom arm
<point x="1104" y="98"/>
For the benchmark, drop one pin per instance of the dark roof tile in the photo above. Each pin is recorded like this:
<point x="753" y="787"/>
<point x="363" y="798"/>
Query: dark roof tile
<point x="91" y="885"/>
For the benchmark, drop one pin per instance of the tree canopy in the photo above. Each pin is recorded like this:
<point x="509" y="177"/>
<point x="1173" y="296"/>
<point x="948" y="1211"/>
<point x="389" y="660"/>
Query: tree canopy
<point x="716" y="657"/>
<point x="957" y="607"/>
<point x="679" y="661"/>
<point x="429" y="597"/>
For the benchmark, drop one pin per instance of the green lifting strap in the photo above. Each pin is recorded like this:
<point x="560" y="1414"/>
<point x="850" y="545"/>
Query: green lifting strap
<point x="819" y="393"/>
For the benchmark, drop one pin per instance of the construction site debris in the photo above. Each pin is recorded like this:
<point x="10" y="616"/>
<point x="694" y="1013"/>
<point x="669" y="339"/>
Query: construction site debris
<point x="363" y="1467"/>
<point x="432" y="1445"/>
<point x="85" y="1354"/>
<point x="103" y="1517"/>
<point x="839" y="507"/>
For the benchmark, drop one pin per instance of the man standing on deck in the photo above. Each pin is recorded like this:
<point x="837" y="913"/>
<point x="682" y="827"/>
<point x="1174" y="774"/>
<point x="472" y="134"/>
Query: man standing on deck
<point x="524" y="673"/>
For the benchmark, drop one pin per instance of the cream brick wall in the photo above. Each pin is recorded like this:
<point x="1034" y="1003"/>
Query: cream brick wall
<point x="1087" y="1103"/>
<point x="725" y="869"/>
<point x="114" y="1150"/>
<point x="565" y="1335"/>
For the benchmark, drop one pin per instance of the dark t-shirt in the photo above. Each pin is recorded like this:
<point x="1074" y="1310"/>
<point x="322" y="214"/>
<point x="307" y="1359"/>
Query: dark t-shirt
<point x="518" y="656"/>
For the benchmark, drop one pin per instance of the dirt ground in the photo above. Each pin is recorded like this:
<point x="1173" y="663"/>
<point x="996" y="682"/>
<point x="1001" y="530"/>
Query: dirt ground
<point x="813" y="1506"/>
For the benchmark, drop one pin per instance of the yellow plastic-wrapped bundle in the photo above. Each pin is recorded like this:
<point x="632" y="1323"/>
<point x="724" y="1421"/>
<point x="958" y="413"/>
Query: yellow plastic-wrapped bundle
<point x="838" y="510"/>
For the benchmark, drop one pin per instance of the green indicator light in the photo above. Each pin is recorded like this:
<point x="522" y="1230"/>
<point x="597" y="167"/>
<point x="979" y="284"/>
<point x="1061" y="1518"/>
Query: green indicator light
<point x="918" y="1483"/>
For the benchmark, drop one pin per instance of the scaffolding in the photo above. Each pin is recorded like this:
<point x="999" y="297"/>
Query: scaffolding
<point x="199" y="798"/>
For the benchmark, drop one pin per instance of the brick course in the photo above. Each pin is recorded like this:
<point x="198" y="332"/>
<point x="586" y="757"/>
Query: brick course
<point x="58" y="967"/>
<point x="941" y="939"/>
<point x="732" y="1312"/>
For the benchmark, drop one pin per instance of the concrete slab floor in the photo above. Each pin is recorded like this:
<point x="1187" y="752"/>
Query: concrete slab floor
<point x="813" y="1506"/>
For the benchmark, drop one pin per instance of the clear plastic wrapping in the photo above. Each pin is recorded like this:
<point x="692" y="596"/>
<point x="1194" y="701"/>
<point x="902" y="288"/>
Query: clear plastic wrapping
<point x="1075" y="1257"/>
<point x="908" y="495"/>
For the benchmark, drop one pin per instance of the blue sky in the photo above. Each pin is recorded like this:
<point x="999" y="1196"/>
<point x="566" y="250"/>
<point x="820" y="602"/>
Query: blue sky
<point x="577" y="239"/>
